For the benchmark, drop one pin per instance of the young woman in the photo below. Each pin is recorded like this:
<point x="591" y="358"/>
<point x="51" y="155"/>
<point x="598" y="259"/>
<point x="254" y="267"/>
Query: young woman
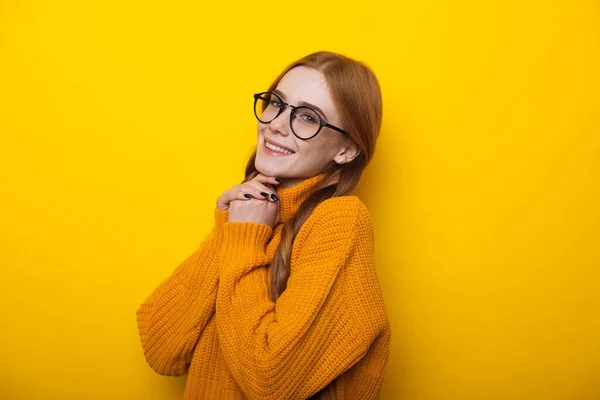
<point x="282" y="300"/>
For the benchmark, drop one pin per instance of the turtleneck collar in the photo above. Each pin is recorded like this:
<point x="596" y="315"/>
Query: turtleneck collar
<point x="291" y="198"/>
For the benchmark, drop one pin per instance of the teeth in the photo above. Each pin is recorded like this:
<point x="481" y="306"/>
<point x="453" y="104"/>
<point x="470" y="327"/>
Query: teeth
<point x="277" y="148"/>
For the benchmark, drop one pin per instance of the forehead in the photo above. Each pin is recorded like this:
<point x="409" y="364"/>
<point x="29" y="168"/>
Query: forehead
<point x="302" y="84"/>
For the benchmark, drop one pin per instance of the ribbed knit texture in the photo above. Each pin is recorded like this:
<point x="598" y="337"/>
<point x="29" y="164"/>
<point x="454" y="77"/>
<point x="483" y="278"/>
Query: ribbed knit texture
<point x="213" y="318"/>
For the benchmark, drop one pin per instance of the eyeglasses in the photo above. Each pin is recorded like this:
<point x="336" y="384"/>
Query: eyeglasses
<point x="305" y="122"/>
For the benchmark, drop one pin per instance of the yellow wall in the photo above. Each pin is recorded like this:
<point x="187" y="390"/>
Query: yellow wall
<point x="122" y="122"/>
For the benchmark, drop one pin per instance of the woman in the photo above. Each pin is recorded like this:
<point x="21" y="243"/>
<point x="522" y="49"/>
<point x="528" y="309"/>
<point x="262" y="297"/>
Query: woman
<point x="282" y="300"/>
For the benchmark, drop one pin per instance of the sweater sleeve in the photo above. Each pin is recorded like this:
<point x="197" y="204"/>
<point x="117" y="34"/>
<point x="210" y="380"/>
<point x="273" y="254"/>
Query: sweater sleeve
<point x="172" y="318"/>
<point x="322" y="324"/>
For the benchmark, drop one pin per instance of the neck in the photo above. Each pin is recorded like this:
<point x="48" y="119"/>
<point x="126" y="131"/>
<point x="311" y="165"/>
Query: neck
<point x="290" y="182"/>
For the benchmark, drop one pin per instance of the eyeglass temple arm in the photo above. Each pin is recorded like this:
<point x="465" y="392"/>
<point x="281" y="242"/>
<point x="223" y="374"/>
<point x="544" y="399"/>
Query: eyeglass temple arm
<point x="336" y="128"/>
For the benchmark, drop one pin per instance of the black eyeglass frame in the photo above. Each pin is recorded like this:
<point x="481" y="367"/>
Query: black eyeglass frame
<point x="322" y="121"/>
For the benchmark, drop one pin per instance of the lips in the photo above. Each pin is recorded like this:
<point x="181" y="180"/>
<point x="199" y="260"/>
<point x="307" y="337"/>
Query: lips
<point x="279" y="145"/>
<point x="275" y="153"/>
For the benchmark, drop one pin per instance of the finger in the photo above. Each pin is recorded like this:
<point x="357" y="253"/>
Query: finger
<point x="266" y="179"/>
<point x="265" y="190"/>
<point x="243" y="196"/>
<point x="249" y="192"/>
<point x="238" y="192"/>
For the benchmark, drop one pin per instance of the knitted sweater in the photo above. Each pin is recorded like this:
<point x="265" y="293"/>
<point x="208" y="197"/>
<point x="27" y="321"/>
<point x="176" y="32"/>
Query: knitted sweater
<point x="213" y="317"/>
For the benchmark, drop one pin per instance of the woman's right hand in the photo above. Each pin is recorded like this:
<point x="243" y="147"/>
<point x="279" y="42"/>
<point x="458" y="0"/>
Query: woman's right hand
<point x="257" y="185"/>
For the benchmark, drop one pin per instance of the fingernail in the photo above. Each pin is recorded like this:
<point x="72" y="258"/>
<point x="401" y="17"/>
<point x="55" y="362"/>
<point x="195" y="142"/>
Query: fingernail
<point x="248" y="195"/>
<point x="265" y="194"/>
<point x="274" y="197"/>
<point x="278" y="179"/>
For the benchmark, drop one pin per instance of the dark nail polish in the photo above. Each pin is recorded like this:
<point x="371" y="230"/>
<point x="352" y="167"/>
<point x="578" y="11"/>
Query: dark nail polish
<point x="264" y="194"/>
<point x="248" y="195"/>
<point x="274" y="197"/>
<point x="278" y="179"/>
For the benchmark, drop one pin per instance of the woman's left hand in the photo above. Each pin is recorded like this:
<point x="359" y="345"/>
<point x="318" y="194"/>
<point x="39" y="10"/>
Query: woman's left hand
<point x="259" y="210"/>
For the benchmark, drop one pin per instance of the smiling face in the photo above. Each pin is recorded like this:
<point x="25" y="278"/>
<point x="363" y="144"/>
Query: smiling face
<point x="310" y="157"/>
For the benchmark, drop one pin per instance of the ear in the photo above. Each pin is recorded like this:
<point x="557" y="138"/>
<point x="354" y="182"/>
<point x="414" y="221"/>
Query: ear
<point x="348" y="152"/>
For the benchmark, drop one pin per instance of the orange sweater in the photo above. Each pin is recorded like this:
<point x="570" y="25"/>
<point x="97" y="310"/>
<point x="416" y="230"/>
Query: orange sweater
<point x="214" y="320"/>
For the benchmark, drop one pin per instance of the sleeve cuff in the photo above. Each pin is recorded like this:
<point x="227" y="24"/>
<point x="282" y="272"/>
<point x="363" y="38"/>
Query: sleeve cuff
<point x="246" y="241"/>
<point x="221" y="217"/>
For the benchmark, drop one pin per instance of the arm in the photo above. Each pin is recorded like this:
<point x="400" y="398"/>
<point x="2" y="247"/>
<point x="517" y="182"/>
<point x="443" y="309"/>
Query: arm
<point x="173" y="317"/>
<point x="325" y="321"/>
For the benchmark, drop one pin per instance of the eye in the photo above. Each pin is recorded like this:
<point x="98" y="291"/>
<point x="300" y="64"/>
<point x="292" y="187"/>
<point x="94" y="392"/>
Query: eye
<point x="276" y="103"/>
<point x="308" y="118"/>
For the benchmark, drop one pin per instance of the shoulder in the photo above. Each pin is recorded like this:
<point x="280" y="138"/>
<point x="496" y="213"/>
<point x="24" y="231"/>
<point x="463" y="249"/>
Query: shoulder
<point x="334" y="227"/>
<point x="348" y="209"/>
<point x="342" y="216"/>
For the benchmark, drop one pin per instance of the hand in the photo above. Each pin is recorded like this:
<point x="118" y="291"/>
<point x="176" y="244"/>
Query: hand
<point x="258" y="208"/>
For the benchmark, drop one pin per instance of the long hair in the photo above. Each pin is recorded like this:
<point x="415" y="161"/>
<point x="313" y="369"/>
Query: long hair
<point x="356" y="93"/>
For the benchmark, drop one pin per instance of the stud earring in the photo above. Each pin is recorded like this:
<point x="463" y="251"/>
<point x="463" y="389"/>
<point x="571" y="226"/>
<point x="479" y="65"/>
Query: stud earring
<point x="340" y="160"/>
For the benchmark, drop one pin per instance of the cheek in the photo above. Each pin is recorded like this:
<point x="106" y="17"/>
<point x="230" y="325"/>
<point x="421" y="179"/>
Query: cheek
<point x="261" y="129"/>
<point x="321" y="144"/>
<point x="312" y="150"/>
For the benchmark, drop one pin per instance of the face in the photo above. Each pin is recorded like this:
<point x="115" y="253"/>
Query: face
<point x="309" y="157"/>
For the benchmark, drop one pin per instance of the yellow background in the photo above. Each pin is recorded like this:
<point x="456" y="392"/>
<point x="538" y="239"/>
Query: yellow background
<point x="122" y="122"/>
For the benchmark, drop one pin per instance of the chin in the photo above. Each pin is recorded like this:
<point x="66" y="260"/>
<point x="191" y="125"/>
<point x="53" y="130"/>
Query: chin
<point x="266" y="168"/>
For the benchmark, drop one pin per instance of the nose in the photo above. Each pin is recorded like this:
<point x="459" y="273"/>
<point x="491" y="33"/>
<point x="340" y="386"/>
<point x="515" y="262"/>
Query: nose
<point x="281" y="124"/>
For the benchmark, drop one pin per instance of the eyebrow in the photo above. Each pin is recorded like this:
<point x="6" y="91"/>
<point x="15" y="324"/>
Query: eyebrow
<point x="302" y="103"/>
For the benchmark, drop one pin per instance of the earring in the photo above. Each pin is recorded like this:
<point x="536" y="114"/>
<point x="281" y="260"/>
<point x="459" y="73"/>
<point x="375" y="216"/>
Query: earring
<point x="340" y="160"/>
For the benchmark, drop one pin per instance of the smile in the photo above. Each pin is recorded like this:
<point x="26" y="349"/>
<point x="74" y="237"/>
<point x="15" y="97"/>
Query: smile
<point x="275" y="150"/>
